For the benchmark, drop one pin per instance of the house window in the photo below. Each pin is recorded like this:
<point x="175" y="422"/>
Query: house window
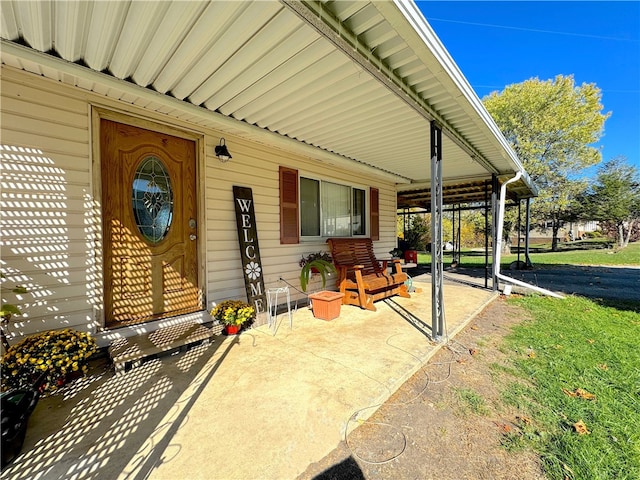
<point x="331" y="209"/>
<point x="359" y="212"/>
<point x="310" y="207"/>
<point x="315" y="208"/>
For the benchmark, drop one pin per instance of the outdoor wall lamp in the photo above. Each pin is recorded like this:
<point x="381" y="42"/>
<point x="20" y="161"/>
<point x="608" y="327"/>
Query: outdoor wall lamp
<point x="221" y="151"/>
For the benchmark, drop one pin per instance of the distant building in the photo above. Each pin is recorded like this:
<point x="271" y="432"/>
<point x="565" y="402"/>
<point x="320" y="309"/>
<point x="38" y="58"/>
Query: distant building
<point x="568" y="232"/>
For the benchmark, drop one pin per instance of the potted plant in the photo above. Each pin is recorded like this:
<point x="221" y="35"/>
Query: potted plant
<point x="59" y="354"/>
<point x="233" y="314"/>
<point x="396" y="253"/>
<point x="318" y="262"/>
<point x="415" y="238"/>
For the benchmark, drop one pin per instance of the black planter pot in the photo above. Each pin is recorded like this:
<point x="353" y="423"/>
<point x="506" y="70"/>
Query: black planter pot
<point x="17" y="406"/>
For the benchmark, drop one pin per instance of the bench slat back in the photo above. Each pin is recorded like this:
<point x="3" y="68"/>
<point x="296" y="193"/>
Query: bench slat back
<point x="347" y="252"/>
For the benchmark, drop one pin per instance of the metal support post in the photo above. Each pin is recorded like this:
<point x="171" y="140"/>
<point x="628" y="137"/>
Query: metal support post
<point x="519" y="229"/>
<point x="437" y="301"/>
<point x="486" y="234"/>
<point x="453" y="235"/>
<point x="527" y="226"/>
<point x="495" y="187"/>
<point x="458" y="242"/>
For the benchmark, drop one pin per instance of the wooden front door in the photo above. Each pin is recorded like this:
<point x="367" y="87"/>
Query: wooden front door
<point x="149" y="224"/>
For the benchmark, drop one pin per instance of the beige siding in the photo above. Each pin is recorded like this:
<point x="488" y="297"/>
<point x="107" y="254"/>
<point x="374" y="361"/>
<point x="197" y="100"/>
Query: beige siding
<point x="45" y="189"/>
<point x="51" y="219"/>
<point x="256" y="166"/>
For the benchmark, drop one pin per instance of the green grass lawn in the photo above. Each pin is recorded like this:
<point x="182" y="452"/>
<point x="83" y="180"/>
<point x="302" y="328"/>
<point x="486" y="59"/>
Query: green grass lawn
<point x="573" y="344"/>
<point x="576" y="253"/>
<point x="574" y="363"/>
<point x="590" y="256"/>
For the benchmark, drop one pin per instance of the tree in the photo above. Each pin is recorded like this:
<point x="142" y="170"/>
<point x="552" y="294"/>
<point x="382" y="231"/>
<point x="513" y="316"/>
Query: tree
<point x="614" y="198"/>
<point x="418" y="234"/>
<point x="551" y="125"/>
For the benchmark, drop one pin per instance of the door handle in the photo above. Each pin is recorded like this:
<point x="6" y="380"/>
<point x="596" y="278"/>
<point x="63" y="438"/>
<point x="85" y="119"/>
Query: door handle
<point x="192" y="237"/>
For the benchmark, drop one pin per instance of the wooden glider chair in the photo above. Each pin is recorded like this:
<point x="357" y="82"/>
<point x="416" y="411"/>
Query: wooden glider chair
<point x="361" y="277"/>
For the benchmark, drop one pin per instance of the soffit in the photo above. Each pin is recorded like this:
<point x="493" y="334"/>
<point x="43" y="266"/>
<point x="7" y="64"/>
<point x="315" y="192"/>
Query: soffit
<point x="283" y="67"/>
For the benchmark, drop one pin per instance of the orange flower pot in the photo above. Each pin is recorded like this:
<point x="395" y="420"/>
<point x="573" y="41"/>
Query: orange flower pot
<point x="326" y="305"/>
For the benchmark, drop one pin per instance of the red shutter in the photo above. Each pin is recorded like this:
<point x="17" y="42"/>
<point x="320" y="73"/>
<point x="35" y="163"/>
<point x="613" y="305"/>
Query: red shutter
<point x="375" y="214"/>
<point x="289" y="229"/>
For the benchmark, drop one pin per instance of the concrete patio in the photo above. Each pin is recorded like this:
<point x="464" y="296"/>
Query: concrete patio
<point x="253" y="406"/>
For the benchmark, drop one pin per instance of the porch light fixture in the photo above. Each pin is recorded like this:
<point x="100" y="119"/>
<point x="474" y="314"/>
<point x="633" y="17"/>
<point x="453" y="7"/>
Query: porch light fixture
<point x="221" y="151"/>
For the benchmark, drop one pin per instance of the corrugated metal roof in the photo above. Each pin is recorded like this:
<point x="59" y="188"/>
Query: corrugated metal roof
<point x="357" y="78"/>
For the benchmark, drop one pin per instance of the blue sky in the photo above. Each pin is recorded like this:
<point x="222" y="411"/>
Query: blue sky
<point x="496" y="44"/>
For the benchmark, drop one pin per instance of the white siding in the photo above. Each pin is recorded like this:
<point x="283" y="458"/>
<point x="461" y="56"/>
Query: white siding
<point x="51" y="221"/>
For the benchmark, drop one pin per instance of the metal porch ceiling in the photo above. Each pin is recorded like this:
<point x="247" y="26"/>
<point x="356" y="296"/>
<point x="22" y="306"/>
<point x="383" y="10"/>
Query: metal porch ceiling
<point x="357" y="78"/>
<point x="457" y="192"/>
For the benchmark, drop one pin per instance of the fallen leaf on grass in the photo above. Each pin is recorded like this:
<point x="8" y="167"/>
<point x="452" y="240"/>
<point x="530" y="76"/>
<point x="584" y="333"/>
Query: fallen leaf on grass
<point x="474" y="327"/>
<point x="584" y="394"/>
<point x="461" y="360"/>
<point x="524" y="419"/>
<point x="504" y="428"/>
<point x="472" y="351"/>
<point x="581" y="428"/>
<point x="580" y="393"/>
<point x="591" y="341"/>
<point x="603" y="366"/>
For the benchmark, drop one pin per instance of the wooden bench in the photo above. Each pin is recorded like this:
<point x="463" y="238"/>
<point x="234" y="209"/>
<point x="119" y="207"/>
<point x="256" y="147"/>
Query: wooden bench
<point x="361" y="277"/>
<point x="131" y="350"/>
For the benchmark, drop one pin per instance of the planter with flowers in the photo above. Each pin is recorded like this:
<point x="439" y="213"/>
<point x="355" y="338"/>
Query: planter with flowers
<point x="60" y="354"/>
<point x="234" y="315"/>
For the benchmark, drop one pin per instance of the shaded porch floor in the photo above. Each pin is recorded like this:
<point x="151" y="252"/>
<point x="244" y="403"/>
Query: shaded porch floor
<point x="256" y="405"/>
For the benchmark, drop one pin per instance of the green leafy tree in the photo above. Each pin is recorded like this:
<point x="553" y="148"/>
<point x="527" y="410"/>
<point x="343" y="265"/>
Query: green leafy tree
<point x="614" y="198"/>
<point x="552" y="126"/>
<point x="418" y="234"/>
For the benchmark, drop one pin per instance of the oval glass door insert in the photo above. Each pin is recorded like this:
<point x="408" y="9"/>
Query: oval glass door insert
<point x="152" y="199"/>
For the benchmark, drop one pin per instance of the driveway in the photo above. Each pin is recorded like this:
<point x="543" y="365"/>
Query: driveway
<point x="597" y="282"/>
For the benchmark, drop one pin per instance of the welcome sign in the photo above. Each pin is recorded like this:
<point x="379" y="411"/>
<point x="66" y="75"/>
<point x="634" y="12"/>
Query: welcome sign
<point x="250" y="251"/>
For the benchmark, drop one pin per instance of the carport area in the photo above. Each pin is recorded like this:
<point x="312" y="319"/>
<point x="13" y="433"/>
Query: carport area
<point x="256" y="405"/>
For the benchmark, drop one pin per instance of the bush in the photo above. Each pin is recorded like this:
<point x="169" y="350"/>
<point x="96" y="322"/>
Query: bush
<point x="58" y="353"/>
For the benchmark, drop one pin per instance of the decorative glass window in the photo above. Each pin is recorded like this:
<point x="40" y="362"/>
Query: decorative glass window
<point x="152" y="199"/>
<point x="330" y="209"/>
